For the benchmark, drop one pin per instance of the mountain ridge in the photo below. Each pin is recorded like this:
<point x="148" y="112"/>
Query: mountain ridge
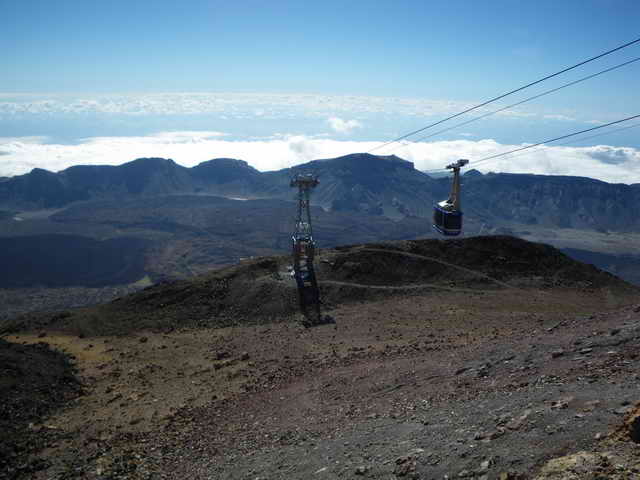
<point x="358" y="183"/>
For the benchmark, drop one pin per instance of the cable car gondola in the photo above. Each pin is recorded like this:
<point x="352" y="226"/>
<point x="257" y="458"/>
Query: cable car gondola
<point x="447" y="216"/>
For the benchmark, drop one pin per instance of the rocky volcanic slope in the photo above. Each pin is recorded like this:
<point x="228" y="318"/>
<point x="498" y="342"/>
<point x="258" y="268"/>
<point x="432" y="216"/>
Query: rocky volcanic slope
<point x="34" y="380"/>
<point x="350" y="273"/>
<point x="480" y="358"/>
<point x="552" y="201"/>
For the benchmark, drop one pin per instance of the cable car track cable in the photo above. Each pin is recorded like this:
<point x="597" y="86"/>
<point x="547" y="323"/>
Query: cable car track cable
<point x="601" y="134"/>
<point x="491" y="157"/>
<point x="528" y="99"/>
<point x="584" y="62"/>
<point x="635" y="125"/>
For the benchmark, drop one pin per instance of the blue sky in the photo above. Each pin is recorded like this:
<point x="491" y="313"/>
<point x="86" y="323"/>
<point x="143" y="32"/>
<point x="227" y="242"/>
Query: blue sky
<point x="345" y="72"/>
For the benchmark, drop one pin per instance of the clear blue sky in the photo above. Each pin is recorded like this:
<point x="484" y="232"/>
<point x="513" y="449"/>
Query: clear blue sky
<point x="445" y="51"/>
<point x="435" y="49"/>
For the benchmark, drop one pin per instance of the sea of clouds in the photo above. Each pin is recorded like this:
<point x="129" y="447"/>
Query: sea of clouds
<point x="19" y="155"/>
<point x="81" y="129"/>
<point x="274" y="105"/>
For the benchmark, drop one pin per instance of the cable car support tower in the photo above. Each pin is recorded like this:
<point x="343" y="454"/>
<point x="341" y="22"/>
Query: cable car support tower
<point x="304" y="250"/>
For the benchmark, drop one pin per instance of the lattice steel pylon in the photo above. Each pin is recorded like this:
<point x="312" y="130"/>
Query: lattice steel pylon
<point x="304" y="250"/>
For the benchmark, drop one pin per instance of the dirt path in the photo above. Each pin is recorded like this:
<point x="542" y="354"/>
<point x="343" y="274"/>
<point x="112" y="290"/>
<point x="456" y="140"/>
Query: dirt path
<point x="420" y="286"/>
<point x="441" y="262"/>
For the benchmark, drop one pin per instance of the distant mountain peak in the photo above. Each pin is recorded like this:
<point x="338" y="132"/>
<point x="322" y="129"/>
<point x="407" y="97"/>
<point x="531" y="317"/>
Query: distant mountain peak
<point x="150" y="162"/>
<point x="220" y="171"/>
<point x="225" y="162"/>
<point x="41" y="172"/>
<point x="367" y="160"/>
<point x="371" y="156"/>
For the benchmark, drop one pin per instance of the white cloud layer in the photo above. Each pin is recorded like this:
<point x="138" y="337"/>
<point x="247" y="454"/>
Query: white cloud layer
<point x="235" y="105"/>
<point x="20" y="155"/>
<point x="562" y="118"/>
<point x="343" y="126"/>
